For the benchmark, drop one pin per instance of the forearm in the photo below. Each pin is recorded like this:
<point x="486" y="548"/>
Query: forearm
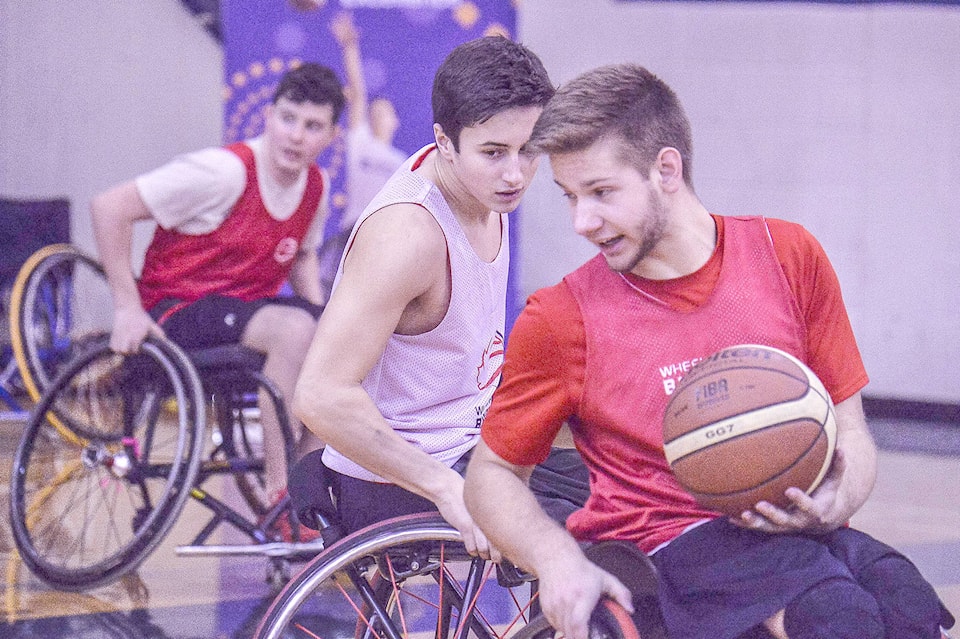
<point x="860" y="455"/>
<point x="509" y="515"/>
<point x="305" y="277"/>
<point x="501" y="503"/>
<point x="346" y="34"/>
<point x="346" y="418"/>
<point x="353" y="66"/>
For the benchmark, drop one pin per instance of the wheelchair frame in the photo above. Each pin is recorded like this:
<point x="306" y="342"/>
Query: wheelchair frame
<point x="411" y="575"/>
<point x="381" y="571"/>
<point x="68" y="378"/>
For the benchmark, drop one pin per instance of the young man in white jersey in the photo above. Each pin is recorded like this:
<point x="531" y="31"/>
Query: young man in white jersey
<point x="408" y="353"/>
<point x="234" y="223"/>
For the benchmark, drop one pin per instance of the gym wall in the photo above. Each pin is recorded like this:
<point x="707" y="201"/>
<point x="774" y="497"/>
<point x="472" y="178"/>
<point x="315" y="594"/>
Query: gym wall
<point x="841" y="116"/>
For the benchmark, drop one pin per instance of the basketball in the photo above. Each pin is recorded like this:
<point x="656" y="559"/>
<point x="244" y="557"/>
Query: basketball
<point x="745" y="424"/>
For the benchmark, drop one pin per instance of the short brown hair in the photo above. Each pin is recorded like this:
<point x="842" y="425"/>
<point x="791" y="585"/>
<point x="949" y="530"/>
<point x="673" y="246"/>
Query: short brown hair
<point x="312" y="82"/>
<point x="625" y="101"/>
<point x="483" y="77"/>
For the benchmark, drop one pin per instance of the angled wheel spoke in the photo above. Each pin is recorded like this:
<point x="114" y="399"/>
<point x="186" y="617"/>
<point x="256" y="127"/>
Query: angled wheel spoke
<point x="401" y="579"/>
<point x="132" y="454"/>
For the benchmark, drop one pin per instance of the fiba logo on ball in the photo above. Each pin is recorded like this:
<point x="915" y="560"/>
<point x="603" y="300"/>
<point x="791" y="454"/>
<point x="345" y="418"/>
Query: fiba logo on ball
<point x="747" y="423"/>
<point x="712" y="392"/>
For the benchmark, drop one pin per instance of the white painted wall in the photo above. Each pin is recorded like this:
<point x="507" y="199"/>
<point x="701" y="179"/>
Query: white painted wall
<point x="843" y="118"/>
<point x="93" y="92"/>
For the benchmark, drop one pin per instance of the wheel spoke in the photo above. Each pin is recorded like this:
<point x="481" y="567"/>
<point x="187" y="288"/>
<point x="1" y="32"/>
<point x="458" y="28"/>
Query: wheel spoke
<point x="421" y="589"/>
<point x="118" y="493"/>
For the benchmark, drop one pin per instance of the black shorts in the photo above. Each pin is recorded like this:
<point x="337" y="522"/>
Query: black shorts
<point x="216" y="320"/>
<point x="561" y="485"/>
<point x="718" y="580"/>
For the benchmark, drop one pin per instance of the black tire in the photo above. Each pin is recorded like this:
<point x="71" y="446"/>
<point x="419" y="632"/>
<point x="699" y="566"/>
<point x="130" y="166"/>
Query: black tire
<point x="237" y="392"/>
<point x="340" y="591"/>
<point x="47" y="324"/>
<point x="88" y="508"/>
<point x="242" y="446"/>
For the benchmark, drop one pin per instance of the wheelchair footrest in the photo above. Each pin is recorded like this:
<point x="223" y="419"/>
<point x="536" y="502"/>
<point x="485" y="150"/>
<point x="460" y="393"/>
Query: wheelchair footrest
<point x="282" y="549"/>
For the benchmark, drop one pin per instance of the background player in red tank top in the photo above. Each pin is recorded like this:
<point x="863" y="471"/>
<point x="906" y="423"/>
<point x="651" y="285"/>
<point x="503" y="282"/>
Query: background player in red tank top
<point x="215" y="208"/>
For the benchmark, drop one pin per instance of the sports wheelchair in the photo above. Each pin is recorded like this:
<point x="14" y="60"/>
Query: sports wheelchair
<point x="412" y="575"/>
<point x="115" y="445"/>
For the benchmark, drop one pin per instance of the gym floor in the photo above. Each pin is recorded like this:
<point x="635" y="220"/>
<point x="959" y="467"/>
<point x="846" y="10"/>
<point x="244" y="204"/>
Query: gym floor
<point x="915" y="507"/>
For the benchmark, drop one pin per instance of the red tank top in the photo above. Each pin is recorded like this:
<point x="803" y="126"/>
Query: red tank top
<point x="637" y="348"/>
<point x="248" y="256"/>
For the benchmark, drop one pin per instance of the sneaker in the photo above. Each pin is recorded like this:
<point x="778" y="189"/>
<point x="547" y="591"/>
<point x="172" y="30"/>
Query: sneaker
<point x="281" y="529"/>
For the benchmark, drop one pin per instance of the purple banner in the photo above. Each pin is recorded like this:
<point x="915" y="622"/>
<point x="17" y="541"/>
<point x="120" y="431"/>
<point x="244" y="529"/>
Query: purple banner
<point x="401" y="44"/>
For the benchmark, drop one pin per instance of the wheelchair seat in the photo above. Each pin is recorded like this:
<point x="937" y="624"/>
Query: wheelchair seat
<point x="227" y="356"/>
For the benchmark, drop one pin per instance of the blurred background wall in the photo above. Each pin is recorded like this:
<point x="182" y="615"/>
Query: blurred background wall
<point x="93" y="92"/>
<point x="844" y="117"/>
<point x="841" y="116"/>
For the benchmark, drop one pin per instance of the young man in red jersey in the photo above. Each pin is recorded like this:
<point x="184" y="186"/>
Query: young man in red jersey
<point x="675" y="283"/>
<point x="234" y="224"/>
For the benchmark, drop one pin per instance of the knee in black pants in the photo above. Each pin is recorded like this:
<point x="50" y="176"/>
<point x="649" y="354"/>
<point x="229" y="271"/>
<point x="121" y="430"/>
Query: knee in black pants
<point x="908" y="604"/>
<point x="834" y="609"/>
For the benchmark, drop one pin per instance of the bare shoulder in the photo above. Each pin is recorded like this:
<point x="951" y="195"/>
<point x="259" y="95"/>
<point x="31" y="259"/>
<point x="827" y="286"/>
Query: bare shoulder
<point x="394" y="278"/>
<point x="404" y="232"/>
<point x="399" y="251"/>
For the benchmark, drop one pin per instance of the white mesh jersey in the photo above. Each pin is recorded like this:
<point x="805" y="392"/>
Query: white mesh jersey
<point x="434" y="388"/>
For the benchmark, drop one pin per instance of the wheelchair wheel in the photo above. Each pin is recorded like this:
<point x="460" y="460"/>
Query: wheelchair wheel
<point x="47" y="324"/>
<point x="611" y="621"/>
<point x="405" y="576"/>
<point x="88" y="508"/>
<point x="237" y="392"/>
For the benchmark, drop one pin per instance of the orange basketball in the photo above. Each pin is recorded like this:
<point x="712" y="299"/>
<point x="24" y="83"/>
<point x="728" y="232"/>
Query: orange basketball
<point x="747" y="423"/>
